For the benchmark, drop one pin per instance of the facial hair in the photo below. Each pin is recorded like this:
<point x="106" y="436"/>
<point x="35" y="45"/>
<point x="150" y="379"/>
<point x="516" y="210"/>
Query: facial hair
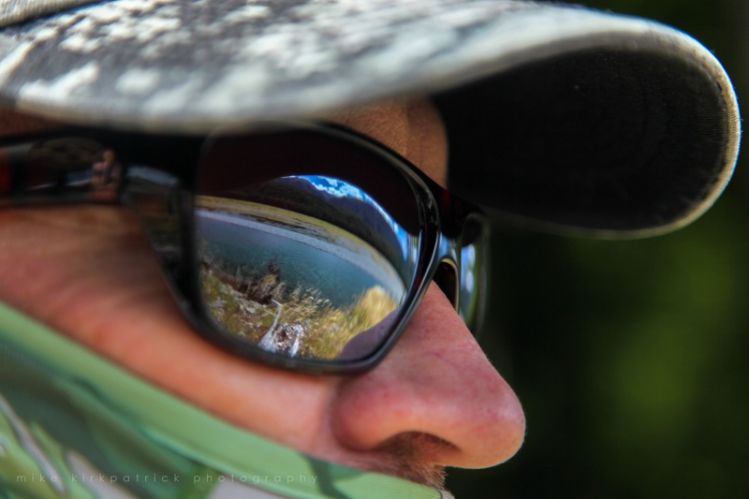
<point x="407" y="456"/>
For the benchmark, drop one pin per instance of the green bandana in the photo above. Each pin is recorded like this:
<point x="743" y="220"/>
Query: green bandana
<point x="73" y="425"/>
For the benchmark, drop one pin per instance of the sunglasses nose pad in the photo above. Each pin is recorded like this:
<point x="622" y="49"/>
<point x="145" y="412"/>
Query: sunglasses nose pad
<point x="446" y="278"/>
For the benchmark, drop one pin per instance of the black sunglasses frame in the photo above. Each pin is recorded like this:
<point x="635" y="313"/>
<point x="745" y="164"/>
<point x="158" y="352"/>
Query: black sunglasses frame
<point x="155" y="175"/>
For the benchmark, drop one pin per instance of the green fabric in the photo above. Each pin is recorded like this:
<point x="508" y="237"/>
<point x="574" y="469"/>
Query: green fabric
<point x="74" y="425"/>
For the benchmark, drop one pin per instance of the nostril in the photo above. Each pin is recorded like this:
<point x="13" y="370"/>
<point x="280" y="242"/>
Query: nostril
<point x="446" y="278"/>
<point x="419" y="445"/>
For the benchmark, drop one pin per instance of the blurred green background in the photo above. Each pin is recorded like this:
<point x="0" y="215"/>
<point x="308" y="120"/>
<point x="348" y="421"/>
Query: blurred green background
<point x="631" y="358"/>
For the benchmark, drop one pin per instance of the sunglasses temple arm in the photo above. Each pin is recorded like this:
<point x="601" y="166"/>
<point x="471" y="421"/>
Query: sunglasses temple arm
<point x="27" y="180"/>
<point x="163" y="208"/>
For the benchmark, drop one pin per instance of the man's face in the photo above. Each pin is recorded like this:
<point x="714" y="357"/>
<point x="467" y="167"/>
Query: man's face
<point x="434" y="401"/>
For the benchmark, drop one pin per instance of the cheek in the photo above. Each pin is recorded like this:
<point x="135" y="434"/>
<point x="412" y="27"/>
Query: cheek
<point x="94" y="278"/>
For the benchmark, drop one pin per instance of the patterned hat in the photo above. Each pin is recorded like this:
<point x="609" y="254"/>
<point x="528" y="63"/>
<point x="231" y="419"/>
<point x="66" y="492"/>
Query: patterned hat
<point x="556" y="115"/>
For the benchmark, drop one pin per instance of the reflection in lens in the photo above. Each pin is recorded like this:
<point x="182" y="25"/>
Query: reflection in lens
<point x="303" y="265"/>
<point x="473" y="272"/>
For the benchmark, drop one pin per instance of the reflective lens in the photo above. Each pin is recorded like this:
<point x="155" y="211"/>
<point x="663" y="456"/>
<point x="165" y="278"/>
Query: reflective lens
<point x="304" y="265"/>
<point x="473" y="272"/>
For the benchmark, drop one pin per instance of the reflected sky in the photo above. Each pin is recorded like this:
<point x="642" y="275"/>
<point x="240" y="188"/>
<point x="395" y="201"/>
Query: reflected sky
<point x="468" y="263"/>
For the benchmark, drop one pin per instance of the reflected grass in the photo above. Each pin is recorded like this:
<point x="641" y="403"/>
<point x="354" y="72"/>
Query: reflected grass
<point x="258" y="307"/>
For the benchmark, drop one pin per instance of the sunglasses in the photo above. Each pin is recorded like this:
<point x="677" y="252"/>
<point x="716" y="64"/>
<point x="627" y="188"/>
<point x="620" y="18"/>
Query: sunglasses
<point x="304" y="246"/>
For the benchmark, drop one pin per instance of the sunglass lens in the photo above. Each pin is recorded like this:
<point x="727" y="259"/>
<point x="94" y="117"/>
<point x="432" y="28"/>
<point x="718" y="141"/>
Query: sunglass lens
<point x="305" y="265"/>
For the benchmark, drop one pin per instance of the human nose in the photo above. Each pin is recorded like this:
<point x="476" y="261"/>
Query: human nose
<point x="436" y="382"/>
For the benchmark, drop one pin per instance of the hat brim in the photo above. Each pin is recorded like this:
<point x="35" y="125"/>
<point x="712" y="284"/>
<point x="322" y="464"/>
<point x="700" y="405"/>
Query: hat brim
<point x="559" y="115"/>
